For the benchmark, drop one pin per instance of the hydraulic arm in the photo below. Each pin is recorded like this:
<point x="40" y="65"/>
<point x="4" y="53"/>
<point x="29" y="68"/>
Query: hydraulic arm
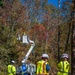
<point x="29" y="51"/>
<point x="31" y="68"/>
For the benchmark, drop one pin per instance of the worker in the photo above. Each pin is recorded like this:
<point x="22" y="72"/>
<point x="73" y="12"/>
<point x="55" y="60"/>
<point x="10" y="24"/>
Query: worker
<point x="12" y="68"/>
<point x="23" y="69"/>
<point x="42" y="67"/>
<point x="63" y="65"/>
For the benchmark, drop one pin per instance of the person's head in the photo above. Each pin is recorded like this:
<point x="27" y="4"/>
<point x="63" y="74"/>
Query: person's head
<point x="12" y="62"/>
<point x="64" y="56"/>
<point x="45" y="57"/>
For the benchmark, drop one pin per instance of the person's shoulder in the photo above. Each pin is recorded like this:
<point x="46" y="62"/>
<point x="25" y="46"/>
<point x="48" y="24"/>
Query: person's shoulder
<point x="13" y="66"/>
<point x="67" y="62"/>
<point x="9" y="65"/>
<point x="39" y="61"/>
<point x="47" y="62"/>
<point x="59" y="62"/>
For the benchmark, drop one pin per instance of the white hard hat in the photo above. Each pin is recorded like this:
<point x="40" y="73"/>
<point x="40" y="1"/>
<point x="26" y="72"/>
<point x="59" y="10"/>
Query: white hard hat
<point x="64" y="55"/>
<point x="45" y="55"/>
<point x="23" y="62"/>
<point x="13" y="61"/>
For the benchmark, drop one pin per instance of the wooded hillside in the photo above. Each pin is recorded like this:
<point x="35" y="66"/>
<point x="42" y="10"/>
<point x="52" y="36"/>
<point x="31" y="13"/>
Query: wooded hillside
<point x="40" y="21"/>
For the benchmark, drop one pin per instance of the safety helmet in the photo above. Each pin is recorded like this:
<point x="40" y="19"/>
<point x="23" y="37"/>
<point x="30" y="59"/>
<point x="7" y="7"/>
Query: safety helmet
<point x="64" y="55"/>
<point x="45" y="56"/>
<point x="12" y="61"/>
<point x="23" y="62"/>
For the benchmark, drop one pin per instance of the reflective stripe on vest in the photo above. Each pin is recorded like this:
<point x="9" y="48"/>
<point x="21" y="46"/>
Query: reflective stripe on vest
<point x="41" y="68"/>
<point x="64" y="67"/>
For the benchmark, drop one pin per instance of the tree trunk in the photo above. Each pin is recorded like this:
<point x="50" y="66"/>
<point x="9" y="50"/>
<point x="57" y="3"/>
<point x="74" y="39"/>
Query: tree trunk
<point x="67" y="40"/>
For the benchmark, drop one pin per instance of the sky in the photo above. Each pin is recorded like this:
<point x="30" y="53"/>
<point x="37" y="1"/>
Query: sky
<point x="55" y="2"/>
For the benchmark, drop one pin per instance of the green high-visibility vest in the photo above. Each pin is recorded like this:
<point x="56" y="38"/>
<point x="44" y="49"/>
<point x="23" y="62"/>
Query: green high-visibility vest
<point x="63" y="68"/>
<point x="11" y="70"/>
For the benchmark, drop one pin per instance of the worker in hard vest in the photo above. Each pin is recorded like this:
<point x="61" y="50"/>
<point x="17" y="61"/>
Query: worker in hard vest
<point x="12" y="68"/>
<point x="63" y="65"/>
<point x="43" y="67"/>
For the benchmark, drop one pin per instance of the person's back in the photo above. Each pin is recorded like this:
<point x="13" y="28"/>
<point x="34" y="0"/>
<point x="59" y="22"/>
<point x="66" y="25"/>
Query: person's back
<point x="11" y="69"/>
<point x="41" y="67"/>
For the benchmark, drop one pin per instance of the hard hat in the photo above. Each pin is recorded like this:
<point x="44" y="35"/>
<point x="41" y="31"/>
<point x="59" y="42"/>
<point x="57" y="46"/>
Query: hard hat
<point x="64" y="55"/>
<point x="23" y="62"/>
<point x="45" y="56"/>
<point x="12" y="61"/>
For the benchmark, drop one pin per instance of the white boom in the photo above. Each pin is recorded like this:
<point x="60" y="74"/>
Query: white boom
<point x="31" y="48"/>
<point x="31" y="68"/>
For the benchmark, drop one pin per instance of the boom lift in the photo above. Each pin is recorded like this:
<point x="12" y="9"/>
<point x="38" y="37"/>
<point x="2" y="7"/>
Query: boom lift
<point x="26" y="40"/>
<point x="31" y="68"/>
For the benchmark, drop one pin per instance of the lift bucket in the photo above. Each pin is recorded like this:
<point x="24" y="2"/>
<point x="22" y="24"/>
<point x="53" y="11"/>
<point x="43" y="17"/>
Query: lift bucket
<point x="25" y="39"/>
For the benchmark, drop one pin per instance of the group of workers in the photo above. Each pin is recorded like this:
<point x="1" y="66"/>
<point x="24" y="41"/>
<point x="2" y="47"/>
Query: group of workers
<point x="42" y="66"/>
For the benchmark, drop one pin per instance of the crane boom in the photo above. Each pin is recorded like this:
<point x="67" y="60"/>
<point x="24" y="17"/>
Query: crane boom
<point x="31" y="68"/>
<point x="29" y="51"/>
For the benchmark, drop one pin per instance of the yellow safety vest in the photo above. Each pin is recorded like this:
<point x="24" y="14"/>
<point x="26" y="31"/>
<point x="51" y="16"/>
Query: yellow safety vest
<point x="41" y="68"/>
<point x="63" y="68"/>
<point x="11" y="70"/>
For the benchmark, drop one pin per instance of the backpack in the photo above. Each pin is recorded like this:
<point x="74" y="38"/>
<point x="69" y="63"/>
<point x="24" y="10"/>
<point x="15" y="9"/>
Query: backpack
<point x="47" y="68"/>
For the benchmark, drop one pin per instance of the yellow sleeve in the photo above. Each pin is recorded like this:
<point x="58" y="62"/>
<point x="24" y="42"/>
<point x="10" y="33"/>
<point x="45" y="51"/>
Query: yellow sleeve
<point x="38" y="68"/>
<point x="68" y="66"/>
<point x="59" y="65"/>
<point x="14" y="69"/>
<point x="9" y="68"/>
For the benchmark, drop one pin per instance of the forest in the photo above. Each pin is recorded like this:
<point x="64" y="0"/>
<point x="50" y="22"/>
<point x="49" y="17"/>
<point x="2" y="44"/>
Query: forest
<point x="48" y="26"/>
